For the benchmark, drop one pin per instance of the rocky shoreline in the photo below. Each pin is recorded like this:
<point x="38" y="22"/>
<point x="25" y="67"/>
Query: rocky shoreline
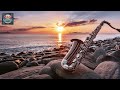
<point x="101" y="62"/>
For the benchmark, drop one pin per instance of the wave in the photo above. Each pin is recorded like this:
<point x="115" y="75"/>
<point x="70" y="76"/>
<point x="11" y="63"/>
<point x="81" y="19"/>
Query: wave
<point x="25" y="49"/>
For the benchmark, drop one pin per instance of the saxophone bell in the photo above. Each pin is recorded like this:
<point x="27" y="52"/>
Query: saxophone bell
<point x="70" y="61"/>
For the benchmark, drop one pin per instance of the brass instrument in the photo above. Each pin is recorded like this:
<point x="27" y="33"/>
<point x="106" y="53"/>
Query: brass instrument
<point x="79" y="49"/>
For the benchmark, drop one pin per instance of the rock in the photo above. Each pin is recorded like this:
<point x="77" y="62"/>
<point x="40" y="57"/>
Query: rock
<point x="18" y="57"/>
<point x="116" y="54"/>
<point x="56" y="49"/>
<point x="108" y="70"/>
<point x="18" y="61"/>
<point x="13" y="55"/>
<point x="106" y="58"/>
<point x="22" y="72"/>
<point x="7" y="67"/>
<point x="82" y="72"/>
<point x="47" y="51"/>
<point x="43" y="76"/>
<point x="99" y="52"/>
<point x="33" y="63"/>
<point x="48" y="70"/>
<point x="32" y="59"/>
<point x="21" y="53"/>
<point x="46" y="60"/>
<point x="23" y="63"/>
<point x="3" y="54"/>
<point x="50" y="55"/>
<point x="8" y="57"/>
<point x="53" y="62"/>
<point x="89" y="63"/>
<point x="39" y="61"/>
<point x="30" y="53"/>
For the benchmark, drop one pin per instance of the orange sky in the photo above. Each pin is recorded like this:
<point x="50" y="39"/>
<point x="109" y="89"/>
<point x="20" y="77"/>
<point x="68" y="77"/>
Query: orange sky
<point x="34" y="21"/>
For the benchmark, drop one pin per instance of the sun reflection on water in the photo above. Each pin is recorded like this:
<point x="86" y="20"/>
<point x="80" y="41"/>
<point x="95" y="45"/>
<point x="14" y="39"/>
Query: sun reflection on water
<point x="59" y="39"/>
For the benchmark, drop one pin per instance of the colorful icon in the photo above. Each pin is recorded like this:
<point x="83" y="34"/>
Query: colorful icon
<point x="7" y="18"/>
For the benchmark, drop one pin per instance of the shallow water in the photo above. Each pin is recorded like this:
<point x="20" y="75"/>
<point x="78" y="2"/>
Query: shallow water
<point x="14" y="43"/>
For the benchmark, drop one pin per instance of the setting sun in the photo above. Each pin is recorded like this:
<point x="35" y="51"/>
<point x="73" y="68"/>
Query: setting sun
<point x="60" y="28"/>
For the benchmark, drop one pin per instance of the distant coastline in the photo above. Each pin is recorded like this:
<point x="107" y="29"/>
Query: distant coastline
<point x="5" y="33"/>
<point x="77" y="33"/>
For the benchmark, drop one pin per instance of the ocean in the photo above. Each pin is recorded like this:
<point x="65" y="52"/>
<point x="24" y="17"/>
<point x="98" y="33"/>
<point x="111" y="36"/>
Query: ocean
<point x="15" y="43"/>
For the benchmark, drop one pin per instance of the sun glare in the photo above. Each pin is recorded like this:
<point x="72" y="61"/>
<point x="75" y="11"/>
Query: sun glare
<point x="60" y="28"/>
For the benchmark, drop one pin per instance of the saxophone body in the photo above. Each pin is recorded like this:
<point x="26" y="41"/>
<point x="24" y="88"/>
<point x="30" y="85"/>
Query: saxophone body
<point x="79" y="49"/>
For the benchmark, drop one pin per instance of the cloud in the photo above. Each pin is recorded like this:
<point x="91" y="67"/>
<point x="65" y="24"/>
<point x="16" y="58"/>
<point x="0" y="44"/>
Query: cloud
<point x="77" y="23"/>
<point x="27" y="29"/>
<point x="4" y="28"/>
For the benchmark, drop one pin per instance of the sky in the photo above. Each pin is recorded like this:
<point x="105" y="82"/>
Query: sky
<point x="45" y="22"/>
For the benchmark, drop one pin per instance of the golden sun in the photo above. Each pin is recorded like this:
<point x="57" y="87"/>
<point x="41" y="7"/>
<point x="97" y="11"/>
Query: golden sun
<point x="60" y="28"/>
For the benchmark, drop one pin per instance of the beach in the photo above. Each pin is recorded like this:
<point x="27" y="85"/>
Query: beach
<point x="41" y="58"/>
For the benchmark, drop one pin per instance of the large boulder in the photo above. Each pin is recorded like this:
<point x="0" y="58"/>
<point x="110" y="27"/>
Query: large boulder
<point x="98" y="52"/>
<point x="46" y="60"/>
<point x="106" y="58"/>
<point x="116" y="54"/>
<point x="43" y="76"/>
<point x="81" y="72"/>
<point x="7" y="67"/>
<point x="49" y="71"/>
<point x="22" y="72"/>
<point x="33" y="63"/>
<point x="108" y="70"/>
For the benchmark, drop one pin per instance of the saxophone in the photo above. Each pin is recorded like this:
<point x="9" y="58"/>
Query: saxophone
<point x="79" y="49"/>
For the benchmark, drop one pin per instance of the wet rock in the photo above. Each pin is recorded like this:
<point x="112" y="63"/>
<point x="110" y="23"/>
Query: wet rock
<point x="46" y="60"/>
<point x="56" y="49"/>
<point x="33" y="63"/>
<point x="6" y="58"/>
<point x="89" y="63"/>
<point x="48" y="70"/>
<point x="23" y="63"/>
<point x="98" y="52"/>
<point x="43" y="76"/>
<point x="21" y="53"/>
<point x="32" y="59"/>
<point x="50" y="55"/>
<point x="30" y="53"/>
<point x="22" y="72"/>
<point x="53" y="62"/>
<point x="18" y="62"/>
<point x="81" y="72"/>
<point x="47" y="51"/>
<point x="18" y="57"/>
<point x="3" y="54"/>
<point x="39" y="61"/>
<point x="13" y="55"/>
<point x="116" y="54"/>
<point x="7" y="67"/>
<point x="106" y="58"/>
<point x="38" y="56"/>
<point x="108" y="70"/>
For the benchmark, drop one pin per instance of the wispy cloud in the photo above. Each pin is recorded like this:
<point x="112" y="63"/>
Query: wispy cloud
<point x="77" y="23"/>
<point x="27" y="29"/>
